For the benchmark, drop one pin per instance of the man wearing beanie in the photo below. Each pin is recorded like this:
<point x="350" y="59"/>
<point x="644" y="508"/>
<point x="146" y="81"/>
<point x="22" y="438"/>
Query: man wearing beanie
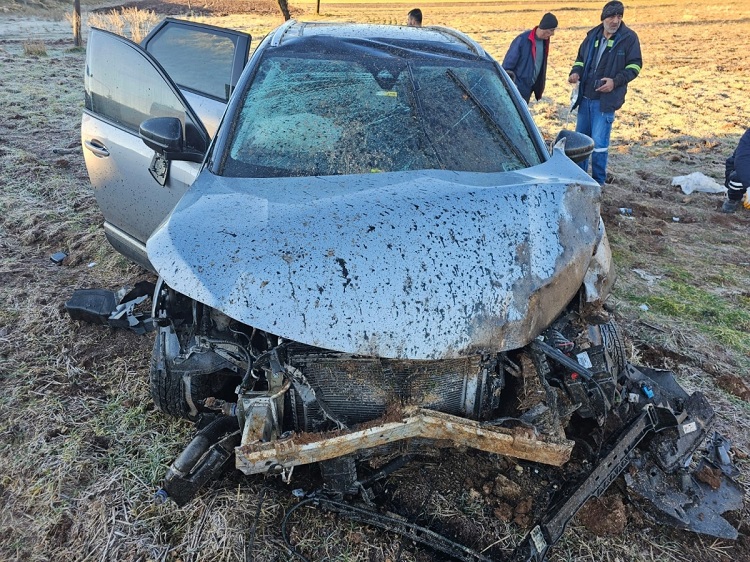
<point x="526" y="59"/>
<point x="608" y="58"/>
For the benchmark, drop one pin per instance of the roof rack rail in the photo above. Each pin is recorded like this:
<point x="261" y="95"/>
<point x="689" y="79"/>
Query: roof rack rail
<point x="468" y="41"/>
<point x="278" y="35"/>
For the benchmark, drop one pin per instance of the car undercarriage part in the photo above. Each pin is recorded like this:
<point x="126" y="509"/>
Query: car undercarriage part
<point x="570" y="391"/>
<point x="418" y="424"/>
<point x="699" y="504"/>
<point x="207" y="455"/>
<point x="657" y="449"/>
<point x="115" y="309"/>
<point x="391" y="523"/>
<point x="547" y="532"/>
<point x="692" y="501"/>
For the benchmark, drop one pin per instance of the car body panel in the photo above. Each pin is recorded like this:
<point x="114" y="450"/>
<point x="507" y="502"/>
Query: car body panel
<point x="132" y="200"/>
<point x="443" y="36"/>
<point x="209" y="110"/>
<point x="419" y="265"/>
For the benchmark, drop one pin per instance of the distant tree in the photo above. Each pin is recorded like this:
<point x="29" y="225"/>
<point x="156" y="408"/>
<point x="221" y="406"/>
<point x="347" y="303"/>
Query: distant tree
<point x="76" y="23"/>
<point x="285" y="9"/>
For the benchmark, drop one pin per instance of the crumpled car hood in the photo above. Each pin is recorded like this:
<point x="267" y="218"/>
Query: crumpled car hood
<point x="419" y="265"/>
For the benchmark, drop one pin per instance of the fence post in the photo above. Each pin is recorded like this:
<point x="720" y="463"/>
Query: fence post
<point x="285" y="9"/>
<point x="76" y="23"/>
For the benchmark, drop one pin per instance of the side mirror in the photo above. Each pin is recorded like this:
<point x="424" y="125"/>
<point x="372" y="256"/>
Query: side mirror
<point x="164" y="136"/>
<point x="577" y="146"/>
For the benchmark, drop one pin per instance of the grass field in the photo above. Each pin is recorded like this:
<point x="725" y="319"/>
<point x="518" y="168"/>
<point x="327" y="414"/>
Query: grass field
<point x="82" y="449"/>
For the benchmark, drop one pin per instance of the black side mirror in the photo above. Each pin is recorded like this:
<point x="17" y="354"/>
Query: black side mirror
<point x="164" y="136"/>
<point x="577" y="146"/>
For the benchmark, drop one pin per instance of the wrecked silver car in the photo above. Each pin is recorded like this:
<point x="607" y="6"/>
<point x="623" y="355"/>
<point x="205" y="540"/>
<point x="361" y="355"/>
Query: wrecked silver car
<point x="374" y="248"/>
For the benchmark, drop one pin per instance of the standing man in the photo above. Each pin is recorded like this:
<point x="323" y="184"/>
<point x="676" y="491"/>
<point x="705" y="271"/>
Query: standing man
<point x="608" y="58"/>
<point x="737" y="175"/>
<point x="414" y="18"/>
<point x="526" y="59"/>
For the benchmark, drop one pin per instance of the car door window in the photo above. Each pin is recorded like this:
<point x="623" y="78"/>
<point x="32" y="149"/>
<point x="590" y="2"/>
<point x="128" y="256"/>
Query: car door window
<point x="196" y="59"/>
<point x="124" y="87"/>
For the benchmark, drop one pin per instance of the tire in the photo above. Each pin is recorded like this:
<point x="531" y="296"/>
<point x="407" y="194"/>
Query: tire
<point x="615" y="345"/>
<point x="176" y="394"/>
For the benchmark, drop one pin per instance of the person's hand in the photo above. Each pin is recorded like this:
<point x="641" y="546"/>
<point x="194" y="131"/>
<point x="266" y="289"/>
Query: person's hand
<point x="607" y="86"/>
<point x="574" y="78"/>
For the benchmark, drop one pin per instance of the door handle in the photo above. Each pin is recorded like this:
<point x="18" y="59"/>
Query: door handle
<point x="97" y="147"/>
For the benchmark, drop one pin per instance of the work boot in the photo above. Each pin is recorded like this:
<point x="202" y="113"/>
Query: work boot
<point x="730" y="206"/>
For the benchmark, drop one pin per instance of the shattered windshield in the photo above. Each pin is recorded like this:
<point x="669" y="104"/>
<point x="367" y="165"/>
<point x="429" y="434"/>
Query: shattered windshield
<point x="355" y="113"/>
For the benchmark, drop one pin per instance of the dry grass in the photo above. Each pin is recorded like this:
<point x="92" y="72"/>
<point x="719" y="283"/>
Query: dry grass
<point x="74" y="19"/>
<point x="82" y="449"/>
<point x="129" y="22"/>
<point x="34" y="49"/>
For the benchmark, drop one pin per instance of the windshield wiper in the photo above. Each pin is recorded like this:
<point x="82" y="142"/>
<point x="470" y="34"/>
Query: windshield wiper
<point x="420" y="116"/>
<point x="487" y="114"/>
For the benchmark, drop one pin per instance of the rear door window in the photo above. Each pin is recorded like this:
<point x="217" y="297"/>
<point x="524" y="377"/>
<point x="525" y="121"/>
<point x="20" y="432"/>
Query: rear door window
<point x="203" y="60"/>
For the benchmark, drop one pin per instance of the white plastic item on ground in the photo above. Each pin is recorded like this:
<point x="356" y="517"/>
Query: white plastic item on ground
<point x="647" y="277"/>
<point x="698" y="182"/>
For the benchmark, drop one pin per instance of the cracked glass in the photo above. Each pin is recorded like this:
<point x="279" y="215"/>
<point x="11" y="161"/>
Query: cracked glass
<point x="308" y="116"/>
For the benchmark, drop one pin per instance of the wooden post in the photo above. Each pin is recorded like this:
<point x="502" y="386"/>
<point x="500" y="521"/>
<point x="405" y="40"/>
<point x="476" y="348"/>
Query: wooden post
<point x="285" y="10"/>
<point x="317" y="10"/>
<point x="77" y="23"/>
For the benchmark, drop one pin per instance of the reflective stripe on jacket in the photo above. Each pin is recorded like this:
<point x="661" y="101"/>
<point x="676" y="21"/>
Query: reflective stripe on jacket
<point x="738" y="164"/>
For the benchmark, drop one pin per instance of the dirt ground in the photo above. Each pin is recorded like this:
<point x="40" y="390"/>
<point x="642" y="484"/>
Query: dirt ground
<point x="82" y="449"/>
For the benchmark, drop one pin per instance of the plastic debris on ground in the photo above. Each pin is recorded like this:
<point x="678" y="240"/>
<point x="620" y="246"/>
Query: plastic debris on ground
<point x="698" y="182"/>
<point x="58" y="257"/>
<point x="116" y="309"/>
<point x="649" y="278"/>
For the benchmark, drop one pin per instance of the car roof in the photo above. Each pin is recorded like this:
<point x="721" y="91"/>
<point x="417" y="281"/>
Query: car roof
<point x="294" y="29"/>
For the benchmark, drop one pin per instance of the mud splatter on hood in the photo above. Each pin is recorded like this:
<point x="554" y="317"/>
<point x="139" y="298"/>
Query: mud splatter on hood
<point x="418" y="265"/>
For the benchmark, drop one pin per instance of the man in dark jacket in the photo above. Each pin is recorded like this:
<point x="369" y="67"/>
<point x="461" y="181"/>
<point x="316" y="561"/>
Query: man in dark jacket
<point x="608" y="58"/>
<point x="737" y="176"/>
<point x="526" y="59"/>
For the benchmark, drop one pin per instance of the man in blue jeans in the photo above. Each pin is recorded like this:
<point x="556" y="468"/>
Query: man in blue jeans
<point x="608" y="58"/>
